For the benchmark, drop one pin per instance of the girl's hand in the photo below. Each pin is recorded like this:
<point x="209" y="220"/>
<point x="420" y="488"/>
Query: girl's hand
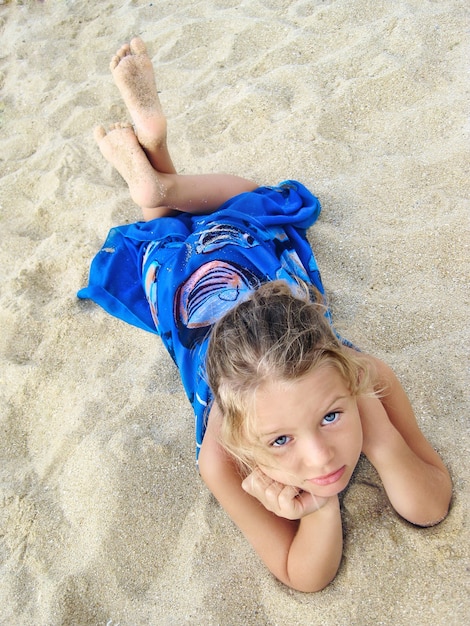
<point x="284" y="500"/>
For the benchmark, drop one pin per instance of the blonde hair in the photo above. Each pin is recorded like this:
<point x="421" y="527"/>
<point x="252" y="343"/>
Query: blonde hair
<point x="274" y="335"/>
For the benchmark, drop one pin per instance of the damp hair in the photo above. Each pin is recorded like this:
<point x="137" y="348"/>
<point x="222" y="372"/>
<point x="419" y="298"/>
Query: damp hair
<point x="272" y="336"/>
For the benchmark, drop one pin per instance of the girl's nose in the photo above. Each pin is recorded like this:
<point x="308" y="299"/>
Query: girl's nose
<point x="317" y="453"/>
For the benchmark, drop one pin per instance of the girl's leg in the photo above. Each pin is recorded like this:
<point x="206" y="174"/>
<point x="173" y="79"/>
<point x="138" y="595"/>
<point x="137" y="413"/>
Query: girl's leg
<point x="142" y="157"/>
<point x="133" y="74"/>
<point x="160" y="193"/>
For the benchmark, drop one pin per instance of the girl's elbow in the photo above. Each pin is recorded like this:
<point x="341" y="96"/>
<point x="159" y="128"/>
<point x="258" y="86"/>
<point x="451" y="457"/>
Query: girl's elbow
<point x="312" y="586"/>
<point x="315" y="588"/>
<point x="431" y="520"/>
<point x="431" y="517"/>
<point x="316" y="581"/>
<point x="431" y="508"/>
<point x="442" y="506"/>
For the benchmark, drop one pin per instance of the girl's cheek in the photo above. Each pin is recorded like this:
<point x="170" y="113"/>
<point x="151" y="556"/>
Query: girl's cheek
<point x="279" y="474"/>
<point x="269" y="470"/>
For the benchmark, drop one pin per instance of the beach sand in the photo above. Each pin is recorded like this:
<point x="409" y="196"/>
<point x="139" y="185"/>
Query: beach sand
<point x="104" y="519"/>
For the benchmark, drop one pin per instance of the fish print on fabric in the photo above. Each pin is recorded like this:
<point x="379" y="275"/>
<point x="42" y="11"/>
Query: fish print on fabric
<point x="208" y="294"/>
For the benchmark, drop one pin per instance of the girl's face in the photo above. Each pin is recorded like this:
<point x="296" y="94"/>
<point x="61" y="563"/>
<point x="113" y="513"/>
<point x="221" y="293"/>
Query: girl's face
<point x="310" y="431"/>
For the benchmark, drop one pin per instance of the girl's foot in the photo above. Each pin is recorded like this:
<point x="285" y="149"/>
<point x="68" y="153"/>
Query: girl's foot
<point x="133" y="74"/>
<point x="122" y="149"/>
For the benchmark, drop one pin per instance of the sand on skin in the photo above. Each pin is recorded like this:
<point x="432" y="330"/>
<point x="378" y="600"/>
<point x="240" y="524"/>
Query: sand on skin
<point x="103" y="517"/>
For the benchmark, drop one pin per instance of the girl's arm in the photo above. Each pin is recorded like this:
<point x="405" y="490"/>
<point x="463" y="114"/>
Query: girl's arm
<point x="414" y="476"/>
<point x="303" y="554"/>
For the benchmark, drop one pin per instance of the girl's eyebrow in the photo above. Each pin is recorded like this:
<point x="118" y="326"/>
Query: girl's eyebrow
<point x="282" y="430"/>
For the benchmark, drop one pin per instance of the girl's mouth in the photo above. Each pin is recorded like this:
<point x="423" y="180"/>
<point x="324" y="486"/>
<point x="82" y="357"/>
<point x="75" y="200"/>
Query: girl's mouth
<point x="328" y="479"/>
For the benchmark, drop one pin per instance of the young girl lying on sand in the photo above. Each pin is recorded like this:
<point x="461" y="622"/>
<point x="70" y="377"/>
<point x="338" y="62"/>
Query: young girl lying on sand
<point x="223" y="272"/>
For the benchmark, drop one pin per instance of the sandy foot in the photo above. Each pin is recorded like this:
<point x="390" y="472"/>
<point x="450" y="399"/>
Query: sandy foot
<point x="120" y="147"/>
<point x="133" y="74"/>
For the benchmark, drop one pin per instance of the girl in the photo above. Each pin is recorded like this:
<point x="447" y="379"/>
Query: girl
<point x="223" y="272"/>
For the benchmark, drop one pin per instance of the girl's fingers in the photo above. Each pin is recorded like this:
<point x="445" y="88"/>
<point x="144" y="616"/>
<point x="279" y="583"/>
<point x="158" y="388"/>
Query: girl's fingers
<point x="276" y="497"/>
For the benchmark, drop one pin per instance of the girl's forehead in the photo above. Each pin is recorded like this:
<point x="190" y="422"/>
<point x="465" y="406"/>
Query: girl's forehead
<point x="309" y="396"/>
<point x="317" y="376"/>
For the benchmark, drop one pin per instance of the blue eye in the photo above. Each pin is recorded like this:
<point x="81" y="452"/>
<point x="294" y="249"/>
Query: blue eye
<point x="281" y="441"/>
<point x="331" y="418"/>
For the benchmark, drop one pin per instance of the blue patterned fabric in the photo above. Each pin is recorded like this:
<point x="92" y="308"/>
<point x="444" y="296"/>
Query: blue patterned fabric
<point x="175" y="276"/>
